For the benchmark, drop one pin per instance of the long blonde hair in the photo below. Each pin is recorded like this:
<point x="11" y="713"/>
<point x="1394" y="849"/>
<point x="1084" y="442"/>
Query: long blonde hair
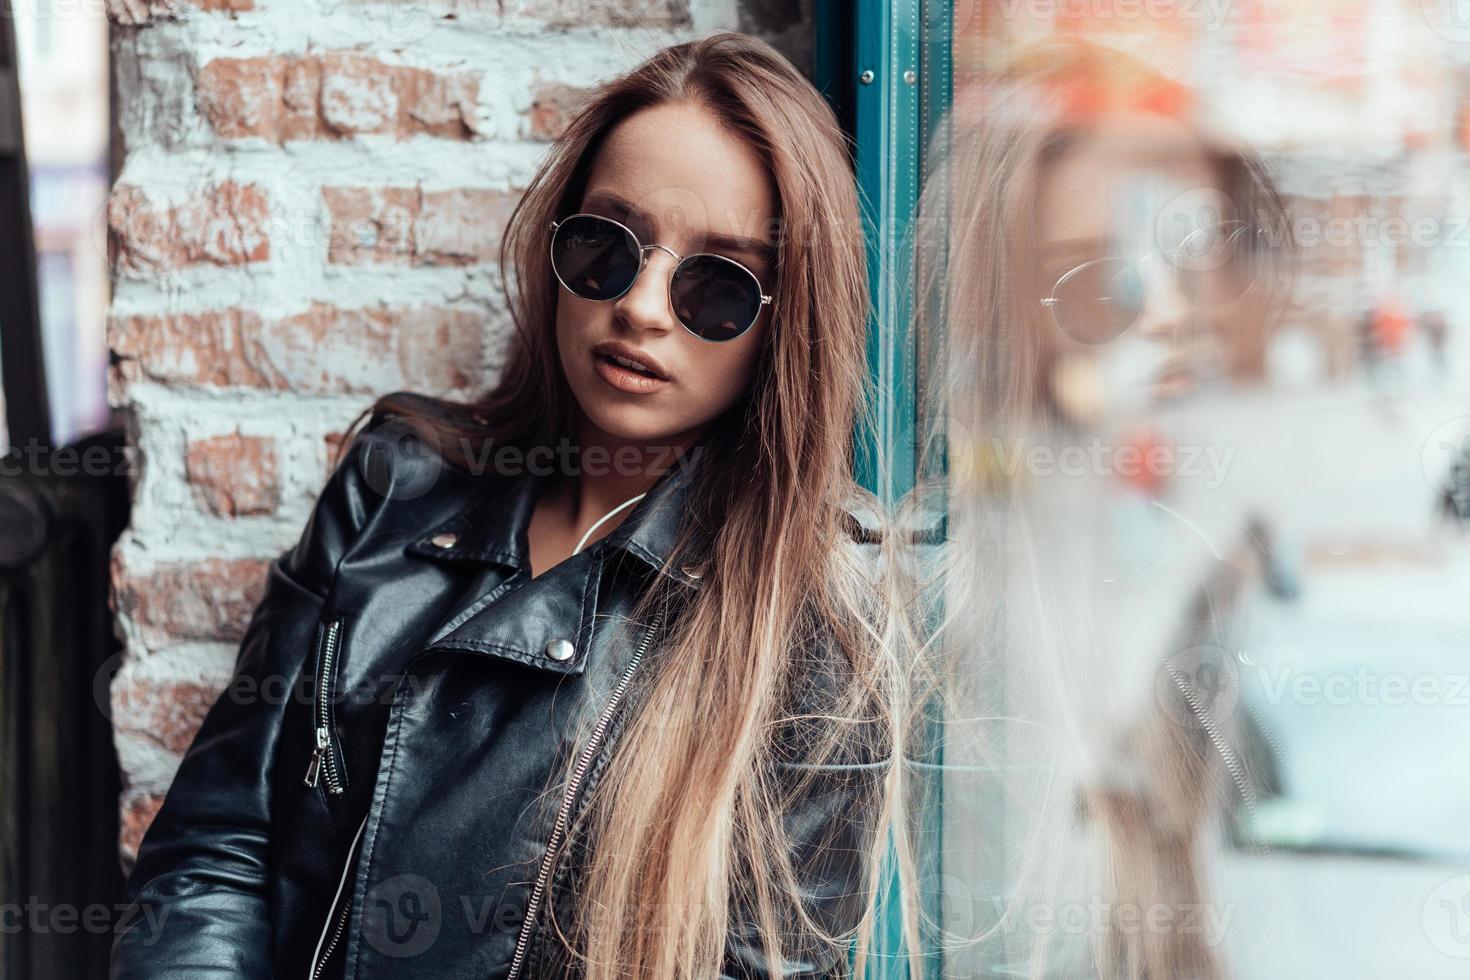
<point x="686" y="820"/>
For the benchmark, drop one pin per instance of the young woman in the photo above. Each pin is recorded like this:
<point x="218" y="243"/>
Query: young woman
<point x="597" y="685"/>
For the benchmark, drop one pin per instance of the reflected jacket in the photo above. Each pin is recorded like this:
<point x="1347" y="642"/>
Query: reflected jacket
<point x="369" y="796"/>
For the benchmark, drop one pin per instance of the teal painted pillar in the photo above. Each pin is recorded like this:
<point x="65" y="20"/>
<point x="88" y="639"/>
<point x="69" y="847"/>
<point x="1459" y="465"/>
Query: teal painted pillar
<point x="885" y="67"/>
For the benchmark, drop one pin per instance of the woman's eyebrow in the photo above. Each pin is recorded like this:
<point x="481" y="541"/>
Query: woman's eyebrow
<point x="611" y="200"/>
<point x="750" y="247"/>
<point x="717" y="240"/>
<point x="1073" y="246"/>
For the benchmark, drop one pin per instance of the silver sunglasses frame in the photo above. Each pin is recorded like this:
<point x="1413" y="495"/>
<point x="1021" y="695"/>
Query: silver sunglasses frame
<point x="642" y="257"/>
<point x="1051" y="300"/>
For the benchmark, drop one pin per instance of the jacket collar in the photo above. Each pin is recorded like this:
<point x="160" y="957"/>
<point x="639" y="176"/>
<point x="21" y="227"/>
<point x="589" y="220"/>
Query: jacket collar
<point x="492" y="525"/>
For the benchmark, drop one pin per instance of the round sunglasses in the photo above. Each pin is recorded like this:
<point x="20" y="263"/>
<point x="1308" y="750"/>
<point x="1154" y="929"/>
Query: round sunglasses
<point x="1097" y="301"/>
<point x="715" y="298"/>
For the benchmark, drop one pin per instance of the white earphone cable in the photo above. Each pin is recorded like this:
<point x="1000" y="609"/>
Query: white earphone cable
<point x="599" y="522"/>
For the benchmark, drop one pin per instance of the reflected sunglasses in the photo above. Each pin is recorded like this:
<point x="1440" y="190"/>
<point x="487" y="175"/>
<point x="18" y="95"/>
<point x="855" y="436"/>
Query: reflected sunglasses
<point x="1097" y="301"/>
<point x="715" y="298"/>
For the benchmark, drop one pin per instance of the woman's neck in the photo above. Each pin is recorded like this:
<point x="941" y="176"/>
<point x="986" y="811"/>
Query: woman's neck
<point x="610" y="470"/>
<point x="606" y="472"/>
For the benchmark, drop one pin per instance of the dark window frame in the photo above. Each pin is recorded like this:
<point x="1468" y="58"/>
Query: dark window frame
<point x="22" y="362"/>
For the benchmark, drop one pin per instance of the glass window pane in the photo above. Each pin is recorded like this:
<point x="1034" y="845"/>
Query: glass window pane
<point x="63" y="62"/>
<point x="1201" y="433"/>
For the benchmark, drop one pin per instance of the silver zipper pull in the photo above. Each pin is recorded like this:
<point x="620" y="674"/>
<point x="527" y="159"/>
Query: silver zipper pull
<point x="314" y="767"/>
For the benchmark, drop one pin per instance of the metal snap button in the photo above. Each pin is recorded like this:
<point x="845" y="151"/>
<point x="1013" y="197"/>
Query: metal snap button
<point x="444" y="539"/>
<point x="560" y="650"/>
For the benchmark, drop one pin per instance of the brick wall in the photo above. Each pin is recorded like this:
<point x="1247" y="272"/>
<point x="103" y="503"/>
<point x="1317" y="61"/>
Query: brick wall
<point x="311" y="198"/>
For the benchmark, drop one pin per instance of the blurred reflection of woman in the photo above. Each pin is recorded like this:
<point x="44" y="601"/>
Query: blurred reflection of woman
<point x="1096" y="266"/>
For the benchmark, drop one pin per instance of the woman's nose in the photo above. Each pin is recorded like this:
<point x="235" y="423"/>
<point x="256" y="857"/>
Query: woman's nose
<point x="645" y="306"/>
<point x="1166" y="310"/>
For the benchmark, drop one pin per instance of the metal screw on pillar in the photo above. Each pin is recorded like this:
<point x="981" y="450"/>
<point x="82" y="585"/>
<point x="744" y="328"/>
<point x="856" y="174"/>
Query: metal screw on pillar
<point x="867" y="77"/>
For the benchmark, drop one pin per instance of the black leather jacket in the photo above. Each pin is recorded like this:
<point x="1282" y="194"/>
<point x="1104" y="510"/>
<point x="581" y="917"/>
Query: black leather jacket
<point x="369" y="796"/>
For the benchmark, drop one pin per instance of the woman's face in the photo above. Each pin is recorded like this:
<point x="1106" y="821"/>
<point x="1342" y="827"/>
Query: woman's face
<point x="676" y="178"/>
<point x="1140" y="189"/>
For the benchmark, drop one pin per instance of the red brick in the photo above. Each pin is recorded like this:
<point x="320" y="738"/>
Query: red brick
<point x="324" y="350"/>
<point x="358" y="95"/>
<point x="223" y="224"/>
<point x="462" y="227"/>
<point x="332" y="96"/>
<point x="376" y="349"/>
<point x="371" y="224"/>
<point x="552" y="108"/>
<point x="437" y="104"/>
<point x="205" y="600"/>
<point x="243" y="96"/>
<point x="234" y="474"/>
<point x="301" y="96"/>
<point x="210" y="348"/>
<point x="166" y="712"/>
<point x="128" y="12"/>
<point x="410" y="226"/>
<point x="134" y="12"/>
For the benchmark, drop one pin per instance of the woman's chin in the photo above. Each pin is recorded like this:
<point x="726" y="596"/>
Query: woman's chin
<point x="636" y="425"/>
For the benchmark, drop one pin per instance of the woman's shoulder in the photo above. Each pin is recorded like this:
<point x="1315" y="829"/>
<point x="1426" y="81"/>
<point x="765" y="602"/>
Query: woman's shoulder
<point x="390" y="476"/>
<point x="404" y="447"/>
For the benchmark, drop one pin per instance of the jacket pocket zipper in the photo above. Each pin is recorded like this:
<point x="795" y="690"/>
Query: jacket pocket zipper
<point x="324" y="767"/>
<point x="569" y="799"/>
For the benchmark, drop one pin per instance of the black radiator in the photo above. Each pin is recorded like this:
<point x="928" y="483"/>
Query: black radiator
<point x="59" y="783"/>
<point x="60" y="511"/>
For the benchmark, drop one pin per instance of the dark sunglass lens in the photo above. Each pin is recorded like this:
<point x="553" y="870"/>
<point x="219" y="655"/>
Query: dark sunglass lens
<point x="594" y="258"/>
<point x="1097" y="301"/>
<point x="715" y="298"/>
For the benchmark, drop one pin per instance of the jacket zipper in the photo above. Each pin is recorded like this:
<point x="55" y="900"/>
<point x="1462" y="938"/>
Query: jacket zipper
<point x="323" y="764"/>
<point x="569" y="798"/>
<point x="1218" y="740"/>
<point x="320" y="958"/>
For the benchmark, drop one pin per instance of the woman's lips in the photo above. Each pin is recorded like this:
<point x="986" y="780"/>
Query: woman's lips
<point x="626" y="379"/>
<point x="1174" y="379"/>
